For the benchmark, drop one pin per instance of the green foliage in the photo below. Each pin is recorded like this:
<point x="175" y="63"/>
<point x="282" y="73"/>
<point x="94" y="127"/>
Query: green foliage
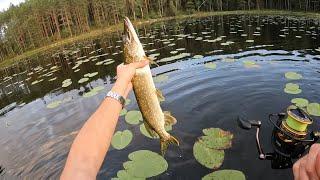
<point x="314" y="109"/>
<point x="211" y="65"/>
<point x="292" y="88"/>
<point x="209" y="149"/>
<point x="293" y="75"/>
<point x="300" y="102"/>
<point x="225" y="175"/>
<point x="133" y="117"/>
<point x="121" y="139"/>
<point x="143" y="164"/>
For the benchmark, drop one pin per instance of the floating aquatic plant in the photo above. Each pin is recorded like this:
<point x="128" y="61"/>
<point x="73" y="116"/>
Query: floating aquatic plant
<point x="90" y="75"/>
<point x="54" y="104"/>
<point x="83" y="80"/>
<point x="133" y="117"/>
<point x="211" y="65"/>
<point x="172" y="58"/>
<point x="128" y="101"/>
<point x="160" y="78"/>
<point x="225" y="175"/>
<point x="145" y="164"/>
<point x="292" y="88"/>
<point x="93" y="92"/>
<point x="66" y="83"/>
<point x="314" y="109"/>
<point x="121" y="139"/>
<point x="300" y="102"/>
<point x="293" y="75"/>
<point x="209" y="149"/>
<point x="197" y="57"/>
<point x="123" y="112"/>
<point x="250" y="64"/>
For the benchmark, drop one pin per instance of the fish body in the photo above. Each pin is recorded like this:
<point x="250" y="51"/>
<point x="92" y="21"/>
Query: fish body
<point x="145" y="91"/>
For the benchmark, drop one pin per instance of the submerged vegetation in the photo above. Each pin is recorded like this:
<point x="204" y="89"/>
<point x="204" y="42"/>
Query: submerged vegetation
<point x="38" y="25"/>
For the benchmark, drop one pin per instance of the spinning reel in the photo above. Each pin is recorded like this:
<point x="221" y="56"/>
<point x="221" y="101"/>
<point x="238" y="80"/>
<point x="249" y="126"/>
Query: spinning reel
<point x="290" y="136"/>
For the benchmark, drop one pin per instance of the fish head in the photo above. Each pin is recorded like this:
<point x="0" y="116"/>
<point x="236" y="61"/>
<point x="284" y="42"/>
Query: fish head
<point x="133" y="49"/>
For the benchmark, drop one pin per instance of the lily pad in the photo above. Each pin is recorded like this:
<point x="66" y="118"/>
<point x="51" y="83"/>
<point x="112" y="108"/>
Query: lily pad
<point x="314" y="109"/>
<point x="83" y="80"/>
<point x="209" y="149"/>
<point x="121" y="139"/>
<point x="66" y="83"/>
<point x="197" y="57"/>
<point x="124" y="175"/>
<point x="128" y="101"/>
<point x="208" y="157"/>
<point x="90" y="75"/>
<point x="133" y="117"/>
<point x="225" y="175"/>
<point x="300" y="102"/>
<point x="89" y="94"/>
<point x="123" y="112"/>
<point x="145" y="164"/>
<point x="250" y="64"/>
<point x="54" y="104"/>
<point x="211" y="65"/>
<point x="293" y="75"/>
<point x="160" y="78"/>
<point x="292" y="88"/>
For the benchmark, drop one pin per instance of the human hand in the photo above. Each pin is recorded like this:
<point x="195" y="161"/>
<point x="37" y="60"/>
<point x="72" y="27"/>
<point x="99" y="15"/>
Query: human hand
<point x="125" y="74"/>
<point x="308" y="167"/>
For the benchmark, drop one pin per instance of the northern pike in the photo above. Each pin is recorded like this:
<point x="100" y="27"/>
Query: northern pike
<point x="148" y="97"/>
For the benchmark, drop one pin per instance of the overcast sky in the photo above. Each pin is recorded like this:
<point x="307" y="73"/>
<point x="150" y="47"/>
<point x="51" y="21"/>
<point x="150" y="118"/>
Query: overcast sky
<point x="4" y="4"/>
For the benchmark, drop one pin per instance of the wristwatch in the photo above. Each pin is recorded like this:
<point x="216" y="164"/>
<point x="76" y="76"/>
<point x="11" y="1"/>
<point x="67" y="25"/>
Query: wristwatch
<point x="117" y="97"/>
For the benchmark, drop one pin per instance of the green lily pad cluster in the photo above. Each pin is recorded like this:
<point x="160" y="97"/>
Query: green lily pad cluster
<point x="300" y="102"/>
<point x="225" y="175"/>
<point x="66" y="83"/>
<point x="293" y="76"/>
<point x="121" y="139"/>
<point x="54" y="104"/>
<point x="209" y="149"/>
<point x="133" y="117"/>
<point x="292" y="88"/>
<point x="93" y="92"/>
<point x="211" y="65"/>
<point x="160" y="78"/>
<point x="312" y="108"/>
<point x="250" y="64"/>
<point x="143" y="164"/>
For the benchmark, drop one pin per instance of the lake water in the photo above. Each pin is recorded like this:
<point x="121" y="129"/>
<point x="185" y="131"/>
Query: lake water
<point x="251" y="53"/>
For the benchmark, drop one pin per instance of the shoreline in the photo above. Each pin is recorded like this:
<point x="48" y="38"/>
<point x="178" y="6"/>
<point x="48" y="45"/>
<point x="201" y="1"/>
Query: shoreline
<point x="114" y="28"/>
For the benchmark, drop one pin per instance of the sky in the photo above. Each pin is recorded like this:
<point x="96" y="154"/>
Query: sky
<point x="4" y="4"/>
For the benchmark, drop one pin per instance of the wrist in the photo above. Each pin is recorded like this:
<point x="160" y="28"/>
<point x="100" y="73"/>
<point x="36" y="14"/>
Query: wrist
<point x="120" y="87"/>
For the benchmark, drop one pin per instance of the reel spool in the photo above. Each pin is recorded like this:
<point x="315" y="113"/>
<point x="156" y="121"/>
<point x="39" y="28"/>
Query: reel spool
<point x="290" y="136"/>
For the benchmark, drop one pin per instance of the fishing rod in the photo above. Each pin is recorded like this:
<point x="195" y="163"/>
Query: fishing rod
<point x="290" y="136"/>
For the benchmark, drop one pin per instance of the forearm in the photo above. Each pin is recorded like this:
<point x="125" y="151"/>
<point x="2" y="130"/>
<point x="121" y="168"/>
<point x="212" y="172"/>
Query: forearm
<point x="93" y="140"/>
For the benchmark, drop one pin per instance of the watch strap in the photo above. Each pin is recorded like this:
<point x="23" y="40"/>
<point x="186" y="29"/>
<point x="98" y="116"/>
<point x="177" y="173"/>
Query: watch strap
<point x="117" y="97"/>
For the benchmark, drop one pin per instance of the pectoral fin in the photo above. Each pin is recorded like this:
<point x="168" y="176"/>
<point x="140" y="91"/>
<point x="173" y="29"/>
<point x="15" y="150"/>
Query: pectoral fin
<point x="151" y="61"/>
<point x="150" y="130"/>
<point x="160" y="96"/>
<point x="169" y="119"/>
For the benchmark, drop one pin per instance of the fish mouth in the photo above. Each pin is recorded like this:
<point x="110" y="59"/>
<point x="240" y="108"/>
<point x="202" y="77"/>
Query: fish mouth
<point x="129" y="31"/>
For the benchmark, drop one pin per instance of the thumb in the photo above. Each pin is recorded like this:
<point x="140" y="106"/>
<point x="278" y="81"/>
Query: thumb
<point x="139" y="64"/>
<point x="318" y="164"/>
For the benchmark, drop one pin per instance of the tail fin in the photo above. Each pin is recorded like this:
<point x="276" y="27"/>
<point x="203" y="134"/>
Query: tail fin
<point x="164" y="143"/>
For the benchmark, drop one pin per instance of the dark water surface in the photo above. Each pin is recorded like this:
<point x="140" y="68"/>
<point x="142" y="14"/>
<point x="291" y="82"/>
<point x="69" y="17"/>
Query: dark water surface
<point x="35" y="140"/>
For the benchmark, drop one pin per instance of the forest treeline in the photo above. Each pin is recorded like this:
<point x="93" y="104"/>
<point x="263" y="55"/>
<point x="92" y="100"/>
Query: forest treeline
<point x="37" y="23"/>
